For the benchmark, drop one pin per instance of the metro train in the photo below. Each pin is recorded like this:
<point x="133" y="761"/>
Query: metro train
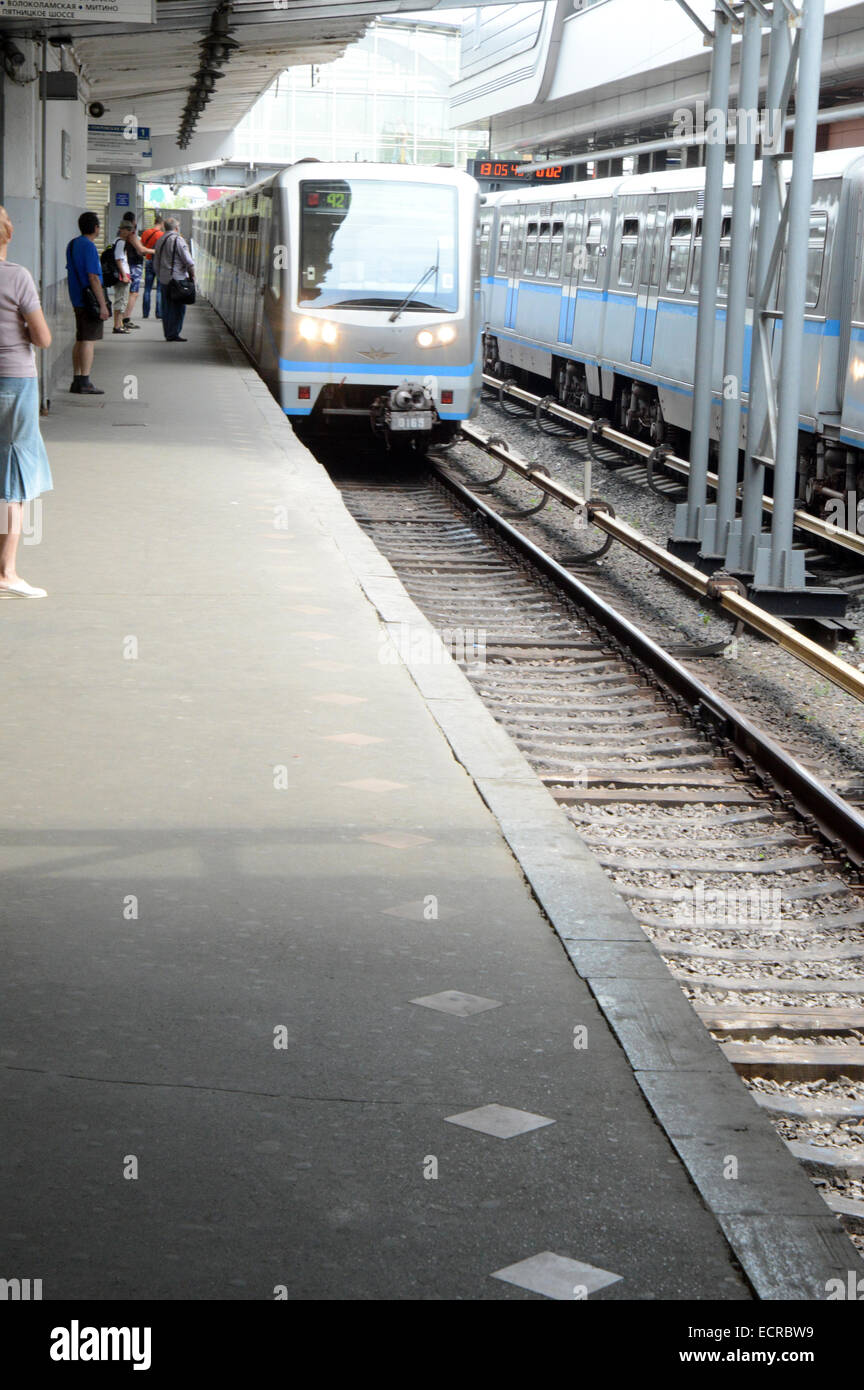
<point x="355" y="290"/>
<point x="594" y="296"/>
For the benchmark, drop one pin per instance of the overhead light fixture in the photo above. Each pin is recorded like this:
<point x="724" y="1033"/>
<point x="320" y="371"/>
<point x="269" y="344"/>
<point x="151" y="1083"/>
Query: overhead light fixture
<point x="215" y="47"/>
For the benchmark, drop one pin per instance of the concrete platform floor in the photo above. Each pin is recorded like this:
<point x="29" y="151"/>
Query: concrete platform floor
<point x="236" y="850"/>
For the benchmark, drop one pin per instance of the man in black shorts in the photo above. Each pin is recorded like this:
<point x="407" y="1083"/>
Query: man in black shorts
<point x="84" y="273"/>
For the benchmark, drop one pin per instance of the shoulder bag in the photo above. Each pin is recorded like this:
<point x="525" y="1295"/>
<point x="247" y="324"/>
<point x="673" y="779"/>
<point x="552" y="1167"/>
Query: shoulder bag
<point x="181" y="291"/>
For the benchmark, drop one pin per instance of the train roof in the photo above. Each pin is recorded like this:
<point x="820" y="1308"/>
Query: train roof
<point x="315" y="168"/>
<point x="827" y="164"/>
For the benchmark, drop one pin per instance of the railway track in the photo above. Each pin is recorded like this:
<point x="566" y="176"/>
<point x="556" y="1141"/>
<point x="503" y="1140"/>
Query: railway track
<point x="740" y="867"/>
<point x="833" y="557"/>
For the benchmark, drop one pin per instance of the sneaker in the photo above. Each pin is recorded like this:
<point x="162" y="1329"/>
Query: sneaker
<point x="19" y="588"/>
<point x="75" y="388"/>
<point x="176" y="340"/>
<point x="90" y="389"/>
<point x="121" y="330"/>
<point x="127" y="324"/>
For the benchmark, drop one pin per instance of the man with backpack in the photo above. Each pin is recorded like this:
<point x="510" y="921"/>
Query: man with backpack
<point x="84" y="278"/>
<point x="136" y="254"/>
<point x="121" y="276"/>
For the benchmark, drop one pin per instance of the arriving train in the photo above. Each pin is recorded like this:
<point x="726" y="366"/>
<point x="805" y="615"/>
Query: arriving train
<point x="595" y="292"/>
<point x="355" y="290"/>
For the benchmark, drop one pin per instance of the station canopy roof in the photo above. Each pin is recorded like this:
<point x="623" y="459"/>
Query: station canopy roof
<point x="149" y="68"/>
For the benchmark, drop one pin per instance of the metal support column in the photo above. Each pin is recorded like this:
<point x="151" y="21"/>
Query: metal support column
<point x="780" y="580"/>
<point x="780" y="60"/>
<point x="795" y="291"/>
<point x="716" y="536"/>
<point x="690" y="515"/>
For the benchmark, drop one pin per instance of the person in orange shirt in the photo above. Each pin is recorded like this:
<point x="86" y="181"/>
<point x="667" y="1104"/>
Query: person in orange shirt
<point x="150" y="238"/>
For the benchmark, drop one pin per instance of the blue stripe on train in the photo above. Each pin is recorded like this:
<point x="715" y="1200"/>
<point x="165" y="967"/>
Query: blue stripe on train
<point x="377" y="368"/>
<point x="829" y="328"/>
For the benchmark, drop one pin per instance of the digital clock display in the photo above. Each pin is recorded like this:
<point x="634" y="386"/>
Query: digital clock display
<point x="515" y="170"/>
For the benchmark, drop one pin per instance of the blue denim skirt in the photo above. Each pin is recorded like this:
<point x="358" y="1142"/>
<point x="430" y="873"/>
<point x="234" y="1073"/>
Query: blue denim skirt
<point x="24" y="468"/>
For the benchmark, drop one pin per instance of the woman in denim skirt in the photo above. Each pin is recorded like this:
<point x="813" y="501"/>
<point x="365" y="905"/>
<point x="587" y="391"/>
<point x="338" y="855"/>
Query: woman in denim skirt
<point x="24" y="470"/>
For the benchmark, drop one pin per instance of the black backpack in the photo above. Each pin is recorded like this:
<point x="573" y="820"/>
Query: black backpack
<point x="109" y="267"/>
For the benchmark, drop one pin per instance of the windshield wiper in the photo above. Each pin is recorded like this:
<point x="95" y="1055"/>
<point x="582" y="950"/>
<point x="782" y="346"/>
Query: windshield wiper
<point x="433" y="270"/>
<point x="361" y="304"/>
<point x="382" y="304"/>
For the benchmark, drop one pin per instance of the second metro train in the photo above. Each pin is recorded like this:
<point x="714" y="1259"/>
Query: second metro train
<point x="595" y="293"/>
<point x="354" y="288"/>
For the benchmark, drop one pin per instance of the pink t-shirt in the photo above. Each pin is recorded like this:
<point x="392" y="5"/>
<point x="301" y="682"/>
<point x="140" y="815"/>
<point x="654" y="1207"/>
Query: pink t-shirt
<point x="18" y="297"/>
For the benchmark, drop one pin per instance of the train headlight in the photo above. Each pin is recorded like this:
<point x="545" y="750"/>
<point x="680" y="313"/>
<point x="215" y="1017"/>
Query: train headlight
<point x="857" y="369"/>
<point x="425" y="338"/>
<point x="308" y="330"/>
<point x="329" y="333"/>
<point x="446" y="334"/>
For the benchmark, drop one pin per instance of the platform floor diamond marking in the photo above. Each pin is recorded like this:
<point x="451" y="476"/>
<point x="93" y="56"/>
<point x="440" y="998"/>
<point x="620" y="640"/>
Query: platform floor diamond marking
<point x="398" y="840"/>
<point x="501" y="1121"/>
<point x="557" y="1276"/>
<point x="455" y="1001"/>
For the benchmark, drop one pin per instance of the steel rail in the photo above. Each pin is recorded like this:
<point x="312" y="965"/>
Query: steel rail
<point x="831" y="667"/>
<point x="834" y="535"/>
<point x="836" y="819"/>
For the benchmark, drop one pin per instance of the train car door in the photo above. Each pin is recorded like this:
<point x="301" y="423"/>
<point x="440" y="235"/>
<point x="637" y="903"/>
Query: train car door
<point x="651" y="269"/>
<point x="517" y="238"/>
<point x="574" y="226"/>
<point x="261" y="269"/>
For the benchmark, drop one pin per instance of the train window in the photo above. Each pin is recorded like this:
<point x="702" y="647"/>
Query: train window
<point x="529" y="264"/>
<point x="816" y="256"/>
<point x="679" y="255"/>
<point x="557" y="252"/>
<point x="725" y="253"/>
<point x="629" y="251"/>
<point x="543" y="249"/>
<point x="592" y="251"/>
<point x="485" y="235"/>
<point x="697" y="258"/>
<point x="503" y="248"/>
<point x="569" y="243"/>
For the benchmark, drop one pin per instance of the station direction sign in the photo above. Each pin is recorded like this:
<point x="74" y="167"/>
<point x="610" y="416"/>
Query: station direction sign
<point x="81" y="11"/>
<point x="118" y="147"/>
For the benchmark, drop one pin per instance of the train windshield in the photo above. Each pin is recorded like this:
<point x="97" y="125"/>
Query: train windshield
<point x="367" y="244"/>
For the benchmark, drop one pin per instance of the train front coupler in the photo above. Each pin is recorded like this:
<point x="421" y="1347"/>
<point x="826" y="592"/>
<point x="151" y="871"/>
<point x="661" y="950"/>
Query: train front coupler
<point x="409" y="407"/>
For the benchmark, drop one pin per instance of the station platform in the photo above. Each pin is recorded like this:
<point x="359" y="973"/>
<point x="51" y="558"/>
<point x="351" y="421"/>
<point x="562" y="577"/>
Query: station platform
<point x="290" y="928"/>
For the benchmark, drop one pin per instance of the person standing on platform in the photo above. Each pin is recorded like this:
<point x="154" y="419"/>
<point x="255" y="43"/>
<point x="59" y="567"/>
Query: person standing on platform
<point x="124" y="280"/>
<point x="136" y="255"/>
<point x="149" y="239"/>
<point x="174" y="268"/>
<point x="84" y="278"/>
<point x="24" y="469"/>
